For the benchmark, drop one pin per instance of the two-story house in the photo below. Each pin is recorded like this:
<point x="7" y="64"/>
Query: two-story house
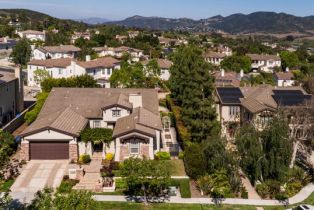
<point x="11" y="95"/>
<point x="214" y="58"/>
<point x="33" y="35"/>
<point x="131" y="113"/>
<point x="265" y="63"/>
<point x="55" y="52"/>
<point x="284" y="79"/>
<point x="164" y="66"/>
<point x="118" y="52"/>
<point x="100" y="69"/>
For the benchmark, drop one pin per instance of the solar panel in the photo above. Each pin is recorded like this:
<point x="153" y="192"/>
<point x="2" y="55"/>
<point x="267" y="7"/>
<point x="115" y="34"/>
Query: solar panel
<point x="290" y="97"/>
<point x="288" y="92"/>
<point x="230" y="95"/>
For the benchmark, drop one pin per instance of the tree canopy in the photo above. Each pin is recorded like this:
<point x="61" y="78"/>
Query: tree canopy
<point x="236" y="63"/>
<point x="21" y="53"/>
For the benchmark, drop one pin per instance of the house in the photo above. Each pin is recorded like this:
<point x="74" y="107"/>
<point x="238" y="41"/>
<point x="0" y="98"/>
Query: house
<point x="131" y="113"/>
<point x="223" y="78"/>
<point x="257" y="105"/>
<point x="33" y="35"/>
<point x="55" y="52"/>
<point x="284" y="79"/>
<point x="164" y="66"/>
<point x="100" y="69"/>
<point x="121" y="38"/>
<point x="7" y="43"/>
<point x="118" y="52"/>
<point x="76" y="35"/>
<point x="214" y="58"/>
<point x="168" y="42"/>
<point x="224" y="50"/>
<point x="133" y="34"/>
<point x="11" y="95"/>
<point x="265" y="63"/>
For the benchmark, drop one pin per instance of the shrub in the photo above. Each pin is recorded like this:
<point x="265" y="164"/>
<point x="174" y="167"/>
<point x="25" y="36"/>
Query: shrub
<point x="109" y="156"/>
<point x="120" y="184"/>
<point x="66" y="185"/>
<point x="163" y="155"/>
<point x="31" y="115"/>
<point x="184" y="185"/>
<point x="85" y="158"/>
<point x="262" y="190"/>
<point x="181" y="155"/>
<point x="244" y="193"/>
<point x="293" y="188"/>
<point x="162" y="102"/>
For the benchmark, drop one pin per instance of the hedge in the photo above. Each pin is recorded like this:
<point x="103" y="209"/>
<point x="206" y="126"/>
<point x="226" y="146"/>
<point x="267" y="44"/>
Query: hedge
<point x="184" y="185"/>
<point x="184" y="136"/>
<point x="31" y="115"/>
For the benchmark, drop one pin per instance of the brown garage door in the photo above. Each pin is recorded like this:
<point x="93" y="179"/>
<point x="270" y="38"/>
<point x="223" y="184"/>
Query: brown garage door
<point x="49" y="150"/>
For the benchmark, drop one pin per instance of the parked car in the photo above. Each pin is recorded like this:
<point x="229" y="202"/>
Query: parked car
<point x="303" y="207"/>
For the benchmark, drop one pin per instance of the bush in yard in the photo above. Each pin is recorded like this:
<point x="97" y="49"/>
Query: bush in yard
<point x="109" y="156"/>
<point x="262" y="190"/>
<point x="244" y="193"/>
<point x="181" y="155"/>
<point x="293" y="188"/>
<point x="85" y="158"/>
<point x="120" y="184"/>
<point x="163" y="155"/>
<point x="66" y="185"/>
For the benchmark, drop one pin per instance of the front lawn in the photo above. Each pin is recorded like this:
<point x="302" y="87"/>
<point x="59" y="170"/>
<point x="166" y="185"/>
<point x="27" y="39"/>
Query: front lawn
<point x="184" y="185"/>
<point x="6" y="185"/>
<point x="66" y="185"/>
<point x="176" y="167"/>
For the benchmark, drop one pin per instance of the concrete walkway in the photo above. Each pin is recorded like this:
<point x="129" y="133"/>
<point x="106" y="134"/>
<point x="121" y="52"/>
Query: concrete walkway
<point x="298" y="198"/>
<point x="252" y="194"/>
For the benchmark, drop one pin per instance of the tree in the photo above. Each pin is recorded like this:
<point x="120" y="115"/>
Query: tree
<point x="21" y="52"/>
<point x="195" y="161"/>
<point x="236" y="63"/>
<point x="289" y="59"/>
<point x="250" y="150"/>
<point x="5" y="200"/>
<point x="7" y="147"/>
<point x="145" y="177"/>
<point x="96" y="135"/>
<point x="152" y="72"/>
<point x="192" y="87"/>
<point x="40" y="75"/>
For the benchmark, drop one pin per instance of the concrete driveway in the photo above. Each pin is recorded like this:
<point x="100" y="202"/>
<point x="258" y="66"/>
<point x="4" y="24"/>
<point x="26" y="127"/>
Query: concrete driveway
<point x="36" y="175"/>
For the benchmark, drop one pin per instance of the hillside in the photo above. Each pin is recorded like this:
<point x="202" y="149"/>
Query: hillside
<point x="266" y="22"/>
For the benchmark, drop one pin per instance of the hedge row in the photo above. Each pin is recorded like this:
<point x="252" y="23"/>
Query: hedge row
<point x="184" y="185"/>
<point x="183" y="135"/>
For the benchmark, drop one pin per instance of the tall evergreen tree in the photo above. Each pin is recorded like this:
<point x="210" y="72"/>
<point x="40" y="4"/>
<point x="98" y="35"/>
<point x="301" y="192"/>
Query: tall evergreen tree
<point x="192" y="87"/>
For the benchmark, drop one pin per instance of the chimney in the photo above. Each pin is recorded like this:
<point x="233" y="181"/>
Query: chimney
<point x="87" y="58"/>
<point x="222" y="72"/>
<point x="136" y="99"/>
<point x="241" y="73"/>
<point x="19" y="94"/>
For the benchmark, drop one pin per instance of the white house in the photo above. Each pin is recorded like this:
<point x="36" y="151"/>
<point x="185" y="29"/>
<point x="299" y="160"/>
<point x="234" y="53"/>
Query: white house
<point x="100" y="69"/>
<point x="214" y="58"/>
<point x="55" y="52"/>
<point x="164" y="66"/>
<point x="118" y="52"/>
<point x="265" y="63"/>
<point x="131" y="113"/>
<point x="33" y="35"/>
<point x="85" y="35"/>
<point x="284" y="79"/>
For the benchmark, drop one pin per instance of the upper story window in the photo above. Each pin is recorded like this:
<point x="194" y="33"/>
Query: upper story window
<point x="234" y="110"/>
<point x="134" y="148"/>
<point x="108" y="71"/>
<point x="60" y="71"/>
<point x="116" y="113"/>
<point x="97" y="124"/>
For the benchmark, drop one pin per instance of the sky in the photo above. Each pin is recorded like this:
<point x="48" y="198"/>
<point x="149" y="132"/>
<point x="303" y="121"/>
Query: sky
<point x="196" y="9"/>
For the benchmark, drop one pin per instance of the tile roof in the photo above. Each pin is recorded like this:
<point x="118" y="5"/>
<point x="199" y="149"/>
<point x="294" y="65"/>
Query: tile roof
<point x="33" y="32"/>
<point x="229" y="79"/>
<point x="6" y="76"/>
<point x="212" y="54"/>
<point x="263" y="57"/>
<point x="50" y="63"/>
<point x="71" y="105"/>
<point x="284" y="75"/>
<point x="60" y="49"/>
<point x="104" y="62"/>
<point x="162" y="63"/>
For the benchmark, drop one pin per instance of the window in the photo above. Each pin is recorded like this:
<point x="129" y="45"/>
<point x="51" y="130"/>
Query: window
<point x="134" y="147"/>
<point x="94" y="71"/>
<point x="103" y="71"/>
<point x="108" y="71"/>
<point x="234" y="110"/>
<point x="96" y="123"/>
<point x="116" y="113"/>
<point x="60" y="71"/>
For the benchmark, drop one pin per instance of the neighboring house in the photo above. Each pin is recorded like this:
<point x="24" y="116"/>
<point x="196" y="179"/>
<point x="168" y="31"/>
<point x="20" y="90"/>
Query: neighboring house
<point x="121" y="38"/>
<point x="284" y="79"/>
<point x="11" y="95"/>
<point x="100" y="69"/>
<point x="85" y="35"/>
<point x="33" y="35"/>
<point x="133" y="34"/>
<point x="223" y="78"/>
<point x="118" y="52"/>
<point x="164" y="66"/>
<point x="55" y="52"/>
<point x="131" y="113"/>
<point x="7" y="43"/>
<point x="224" y="50"/>
<point x="168" y="42"/>
<point x="265" y="63"/>
<point x="257" y="105"/>
<point x="214" y="58"/>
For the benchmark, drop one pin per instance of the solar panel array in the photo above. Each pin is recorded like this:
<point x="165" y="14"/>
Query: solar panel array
<point x="290" y="97"/>
<point x="230" y="95"/>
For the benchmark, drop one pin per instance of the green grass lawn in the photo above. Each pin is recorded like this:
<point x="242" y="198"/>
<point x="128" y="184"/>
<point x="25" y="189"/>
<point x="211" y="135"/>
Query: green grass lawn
<point x="176" y="167"/>
<point x="5" y="186"/>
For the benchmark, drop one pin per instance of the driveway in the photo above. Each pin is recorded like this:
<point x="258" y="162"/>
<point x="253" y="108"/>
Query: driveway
<point x="36" y="175"/>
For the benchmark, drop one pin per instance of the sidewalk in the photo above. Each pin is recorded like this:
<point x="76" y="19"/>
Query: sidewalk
<point x="301" y="196"/>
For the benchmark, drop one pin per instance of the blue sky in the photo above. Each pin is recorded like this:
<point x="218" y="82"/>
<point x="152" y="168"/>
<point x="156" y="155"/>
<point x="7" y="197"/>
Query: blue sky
<point x="196" y="9"/>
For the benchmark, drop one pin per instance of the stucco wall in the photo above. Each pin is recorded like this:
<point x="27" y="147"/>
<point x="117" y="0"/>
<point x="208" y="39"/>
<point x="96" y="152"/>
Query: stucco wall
<point x="48" y="135"/>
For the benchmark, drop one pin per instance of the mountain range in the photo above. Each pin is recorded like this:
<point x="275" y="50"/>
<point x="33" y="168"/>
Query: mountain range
<point x="94" y="20"/>
<point x="264" y="22"/>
